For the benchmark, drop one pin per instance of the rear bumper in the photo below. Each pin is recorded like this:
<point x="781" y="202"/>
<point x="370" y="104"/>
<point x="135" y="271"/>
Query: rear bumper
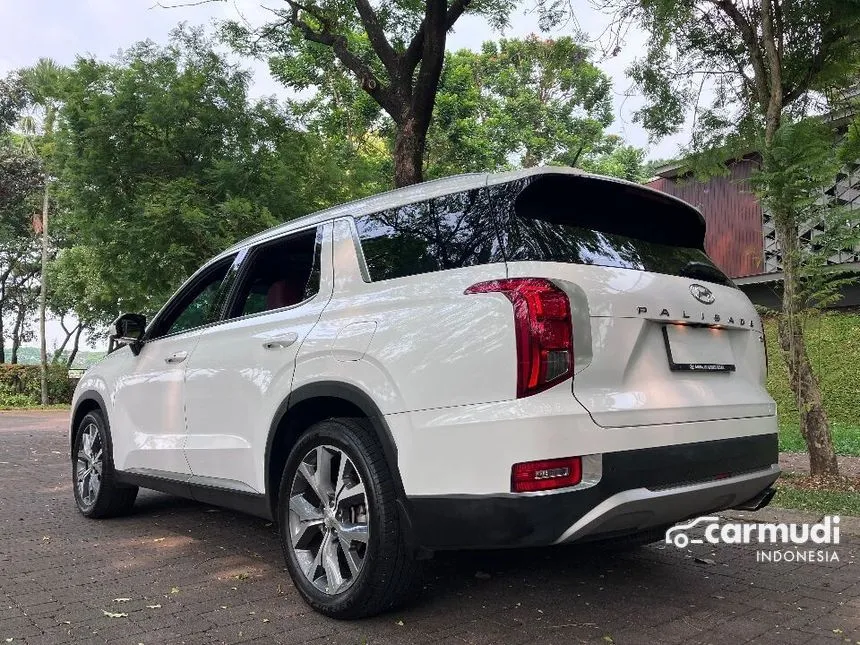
<point x="637" y="490"/>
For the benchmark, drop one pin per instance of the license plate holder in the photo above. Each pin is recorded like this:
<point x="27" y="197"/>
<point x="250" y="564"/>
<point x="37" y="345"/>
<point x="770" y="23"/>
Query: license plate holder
<point x="698" y="349"/>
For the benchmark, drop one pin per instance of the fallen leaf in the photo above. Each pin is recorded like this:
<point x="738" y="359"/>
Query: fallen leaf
<point x="242" y="576"/>
<point x="121" y="599"/>
<point x="153" y="606"/>
<point x="174" y="590"/>
<point x="704" y="560"/>
<point x="265" y="620"/>
<point x="159" y="539"/>
<point x="114" y="614"/>
<point x="608" y="639"/>
<point x="399" y="622"/>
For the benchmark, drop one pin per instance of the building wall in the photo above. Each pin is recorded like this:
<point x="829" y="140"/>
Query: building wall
<point x="732" y="213"/>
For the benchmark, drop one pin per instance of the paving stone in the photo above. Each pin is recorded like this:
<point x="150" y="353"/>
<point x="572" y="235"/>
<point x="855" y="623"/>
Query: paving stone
<point x="55" y="590"/>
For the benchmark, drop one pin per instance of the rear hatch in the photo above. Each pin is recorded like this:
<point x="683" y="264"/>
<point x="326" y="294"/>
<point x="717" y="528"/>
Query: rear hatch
<point x="661" y="335"/>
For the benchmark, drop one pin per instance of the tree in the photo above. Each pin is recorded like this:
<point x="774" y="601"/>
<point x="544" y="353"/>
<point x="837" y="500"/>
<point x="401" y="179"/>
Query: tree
<point x="523" y="103"/>
<point x="41" y="83"/>
<point x="768" y="64"/>
<point x="516" y="102"/>
<point x="21" y="180"/>
<point x="394" y="51"/>
<point x="163" y="162"/>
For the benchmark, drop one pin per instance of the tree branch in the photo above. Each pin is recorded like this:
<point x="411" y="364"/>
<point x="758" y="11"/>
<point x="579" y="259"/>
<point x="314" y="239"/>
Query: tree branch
<point x="338" y="43"/>
<point x="750" y="38"/>
<point x="432" y="57"/>
<point x="377" y="37"/>
<point x="412" y="56"/>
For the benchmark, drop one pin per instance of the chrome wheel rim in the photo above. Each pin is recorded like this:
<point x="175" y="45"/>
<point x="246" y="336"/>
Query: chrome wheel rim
<point x="329" y="521"/>
<point x="90" y="462"/>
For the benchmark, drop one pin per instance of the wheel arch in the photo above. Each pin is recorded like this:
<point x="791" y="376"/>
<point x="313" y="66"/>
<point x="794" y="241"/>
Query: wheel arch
<point x="314" y="402"/>
<point x="86" y="403"/>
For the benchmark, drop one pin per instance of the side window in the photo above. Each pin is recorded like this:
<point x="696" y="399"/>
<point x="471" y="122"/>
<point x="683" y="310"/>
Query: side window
<point x="281" y="274"/>
<point x="445" y="232"/>
<point x="199" y="304"/>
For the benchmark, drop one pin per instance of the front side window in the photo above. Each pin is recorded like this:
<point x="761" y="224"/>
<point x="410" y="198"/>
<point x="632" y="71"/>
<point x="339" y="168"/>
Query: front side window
<point x="282" y="273"/>
<point x="199" y="304"/>
<point x="447" y="232"/>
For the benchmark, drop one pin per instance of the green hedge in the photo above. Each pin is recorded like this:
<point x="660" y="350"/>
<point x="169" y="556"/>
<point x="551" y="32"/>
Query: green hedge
<point x="20" y="385"/>
<point x="833" y="344"/>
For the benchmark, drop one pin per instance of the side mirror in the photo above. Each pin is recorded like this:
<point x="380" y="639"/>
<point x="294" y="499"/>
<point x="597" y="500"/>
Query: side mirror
<point x="129" y="329"/>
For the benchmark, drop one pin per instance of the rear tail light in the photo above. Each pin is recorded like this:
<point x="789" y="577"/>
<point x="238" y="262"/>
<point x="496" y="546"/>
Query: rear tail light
<point x="547" y="474"/>
<point x="543" y="328"/>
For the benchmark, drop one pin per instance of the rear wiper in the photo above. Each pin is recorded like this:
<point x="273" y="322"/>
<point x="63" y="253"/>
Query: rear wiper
<point x="704" y="271"/>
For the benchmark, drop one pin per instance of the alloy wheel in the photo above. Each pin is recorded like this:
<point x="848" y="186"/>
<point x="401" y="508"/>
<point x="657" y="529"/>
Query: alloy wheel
<point x="90" y="462"/>
<point x="329" y="521"/>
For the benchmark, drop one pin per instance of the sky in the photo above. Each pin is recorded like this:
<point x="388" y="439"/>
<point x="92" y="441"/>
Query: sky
<point x="64" y="29"/>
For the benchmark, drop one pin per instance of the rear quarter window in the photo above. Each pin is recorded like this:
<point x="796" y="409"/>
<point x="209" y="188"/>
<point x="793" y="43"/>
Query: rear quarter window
<point x="447" y="232"/>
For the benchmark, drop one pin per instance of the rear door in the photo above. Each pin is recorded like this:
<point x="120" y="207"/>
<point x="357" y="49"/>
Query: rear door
<point x="660" y="334"/>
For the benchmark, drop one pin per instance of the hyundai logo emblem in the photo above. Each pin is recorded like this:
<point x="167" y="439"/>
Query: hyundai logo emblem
<point x="702" y="294"/>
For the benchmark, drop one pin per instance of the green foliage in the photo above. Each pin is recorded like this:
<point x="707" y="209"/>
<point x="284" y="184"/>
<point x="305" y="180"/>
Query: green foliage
<point x="20" y="385"/>
<point x="515" y="103"/>
<point x="693" y="45"/>
<point x="833" y="343"/>
<point x="801" y="163"/>
<point x="163" y="163"/>
<point x="521" y="102"/>
<point x="12" y="100"/>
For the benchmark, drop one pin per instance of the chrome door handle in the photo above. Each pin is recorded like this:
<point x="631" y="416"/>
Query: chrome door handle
<point x="280" y="340"/>
<point x="178" y="357"/>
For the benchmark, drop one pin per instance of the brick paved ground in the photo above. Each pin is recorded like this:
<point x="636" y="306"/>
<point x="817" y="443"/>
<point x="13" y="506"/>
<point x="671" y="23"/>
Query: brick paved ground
<point x="195" y="574"/>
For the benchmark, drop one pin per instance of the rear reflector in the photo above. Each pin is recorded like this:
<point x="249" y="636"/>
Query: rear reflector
<point x="543" y="326"/>
<point x="547" y="474"/>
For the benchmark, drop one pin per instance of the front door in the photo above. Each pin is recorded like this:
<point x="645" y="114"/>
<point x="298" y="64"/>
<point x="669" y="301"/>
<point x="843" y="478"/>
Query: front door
<point x="242" y="369"/>
<point x="149" y="399"/>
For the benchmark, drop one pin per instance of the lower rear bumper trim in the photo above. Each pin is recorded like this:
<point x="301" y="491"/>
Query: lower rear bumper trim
<point x="642" y="508"/>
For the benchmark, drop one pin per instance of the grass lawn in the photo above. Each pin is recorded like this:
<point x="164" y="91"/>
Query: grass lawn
<point x="835" y="497"/>
<point x="53" y="406"/>
<point x="846" y="438"/>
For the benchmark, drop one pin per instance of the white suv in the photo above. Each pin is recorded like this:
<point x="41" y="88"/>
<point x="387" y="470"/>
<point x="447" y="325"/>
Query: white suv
<point x="519" y="359"/>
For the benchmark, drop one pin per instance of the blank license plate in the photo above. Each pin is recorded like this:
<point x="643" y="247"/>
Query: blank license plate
<point x="698" y="349"/>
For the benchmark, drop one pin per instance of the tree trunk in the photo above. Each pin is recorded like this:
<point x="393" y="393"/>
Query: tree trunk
<point x="409" y="153"/>
<point x="43" y="297"/>
<point x="813" y="419"/>
<point x="16" y="332"/>
<point x="74" y="351"/>
<point x="814" y="425"/>
<point x="2" y="339"/>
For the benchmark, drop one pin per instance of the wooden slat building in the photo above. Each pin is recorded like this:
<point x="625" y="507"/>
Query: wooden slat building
<point x="740" y="235"/>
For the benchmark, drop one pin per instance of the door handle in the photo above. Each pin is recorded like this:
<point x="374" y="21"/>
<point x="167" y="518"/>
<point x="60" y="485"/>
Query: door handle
<point x="178" y="357"/>
<point x="280" y="340"/>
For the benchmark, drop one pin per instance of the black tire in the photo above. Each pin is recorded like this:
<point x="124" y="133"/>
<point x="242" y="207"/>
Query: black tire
<point x="111" y="498"/>
<point x="389" y="576"/>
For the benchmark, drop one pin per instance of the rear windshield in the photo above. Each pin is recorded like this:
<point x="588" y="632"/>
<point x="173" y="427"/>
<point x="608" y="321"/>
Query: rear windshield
<point x="547" y="218"/>
<point x="581" y="220"/>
